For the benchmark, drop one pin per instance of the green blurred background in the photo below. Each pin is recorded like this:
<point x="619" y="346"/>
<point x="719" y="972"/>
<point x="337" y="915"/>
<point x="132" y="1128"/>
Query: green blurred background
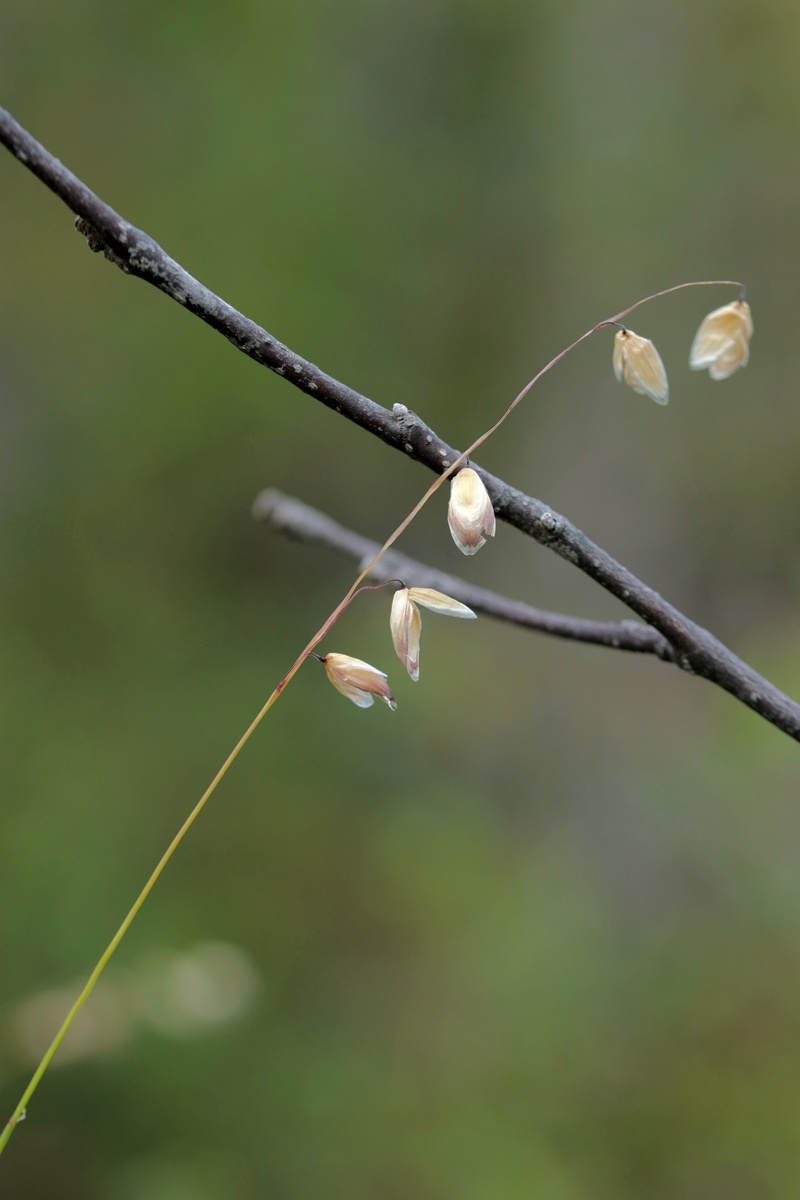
<point x="536" y="934"/>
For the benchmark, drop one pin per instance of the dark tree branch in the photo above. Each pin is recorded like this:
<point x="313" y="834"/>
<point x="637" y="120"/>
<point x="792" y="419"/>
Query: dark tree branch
<point x="306" y="524"/>
<point x="695" y="649"/>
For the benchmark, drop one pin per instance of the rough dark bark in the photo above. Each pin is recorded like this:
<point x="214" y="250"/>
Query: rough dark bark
<point x="693" y="648"/>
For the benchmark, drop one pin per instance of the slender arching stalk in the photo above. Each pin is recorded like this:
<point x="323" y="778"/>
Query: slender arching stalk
<point x="108" y="953"/>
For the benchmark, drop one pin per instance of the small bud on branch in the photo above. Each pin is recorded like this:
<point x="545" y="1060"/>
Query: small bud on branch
<point x="470" y="514"/>
<point x="638" y="363"/>
<point x="406" y="620"/>
<point x="722" y="342"/>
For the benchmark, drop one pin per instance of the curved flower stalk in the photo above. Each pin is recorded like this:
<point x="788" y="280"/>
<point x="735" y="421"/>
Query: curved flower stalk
<point x="638" y="363"/>
<point x="406" y="620"/>
<point x="136" y="253"/>
<point x="470" y="514"/>
<point x="722" y="343"/>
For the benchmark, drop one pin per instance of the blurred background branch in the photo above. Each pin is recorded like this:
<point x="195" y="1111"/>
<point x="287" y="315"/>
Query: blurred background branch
<point x="306" y="524"/>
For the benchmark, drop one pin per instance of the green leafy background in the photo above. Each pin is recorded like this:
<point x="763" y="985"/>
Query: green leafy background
<point x="536" y="934"/>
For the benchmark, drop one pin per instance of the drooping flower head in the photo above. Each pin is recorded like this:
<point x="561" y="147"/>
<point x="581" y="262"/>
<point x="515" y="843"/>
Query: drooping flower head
<point x="357" y="680"/>
<point x="637" y="363"/>
<point x="470" y="514"/>
<point x="722" y="342"/>
<point x="406" y="620"/>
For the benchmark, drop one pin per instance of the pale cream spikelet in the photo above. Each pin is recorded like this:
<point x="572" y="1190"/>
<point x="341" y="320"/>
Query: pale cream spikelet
<point x="470" y="515"/>
<point x="722" y="343"/>
<point x="357" y="680"/>
<point x="406" y="620"/>
<point x="638" y="363"/>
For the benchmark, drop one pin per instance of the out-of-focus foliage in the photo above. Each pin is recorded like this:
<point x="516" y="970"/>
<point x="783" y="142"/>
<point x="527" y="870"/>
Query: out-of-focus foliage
<point x="536" y="934"/>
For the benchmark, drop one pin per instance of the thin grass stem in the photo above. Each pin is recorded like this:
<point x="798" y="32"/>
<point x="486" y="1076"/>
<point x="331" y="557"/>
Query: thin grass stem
<point x="20" y="1110"/>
